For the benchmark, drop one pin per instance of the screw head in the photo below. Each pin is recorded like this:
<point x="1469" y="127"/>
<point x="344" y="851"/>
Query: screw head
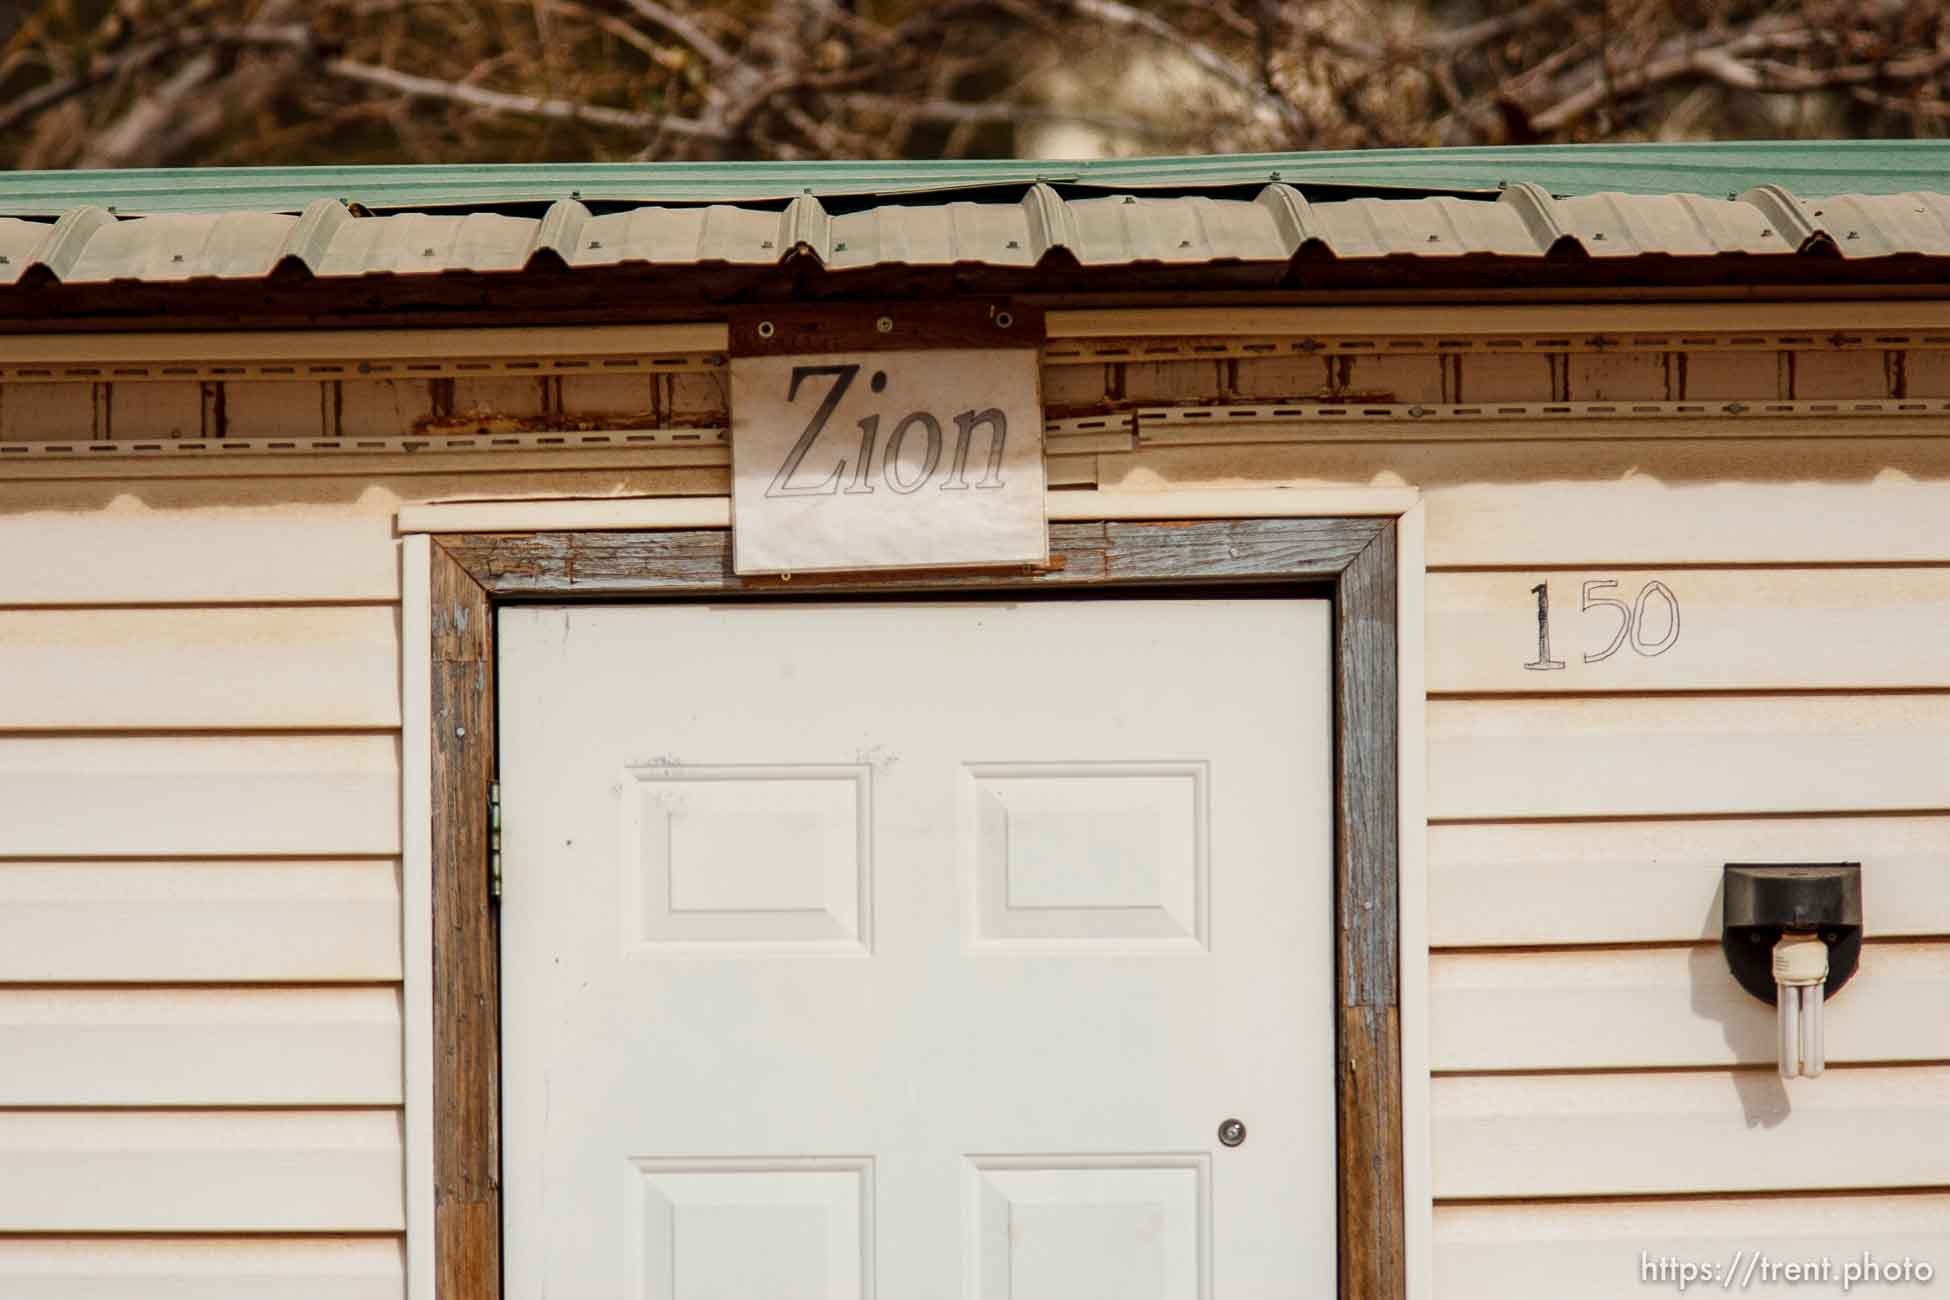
<point x="885" y="324"/>
<point x="766" y="329"/>
<point x="1232" y="1133"/>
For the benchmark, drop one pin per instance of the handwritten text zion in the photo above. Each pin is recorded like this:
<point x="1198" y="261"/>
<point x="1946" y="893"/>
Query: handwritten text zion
<point x="900" y="469"/>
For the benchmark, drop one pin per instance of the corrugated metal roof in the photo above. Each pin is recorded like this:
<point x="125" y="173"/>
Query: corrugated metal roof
<point x="91" y="246"/>
<point x="1716" y="169"/>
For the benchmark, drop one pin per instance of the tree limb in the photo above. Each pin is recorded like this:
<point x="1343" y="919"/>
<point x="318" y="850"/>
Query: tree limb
<point x="97" y="72"/>
<point x="501" y="102"/>
<point x="1495" y="29"/>
<point x="683" y="29"/>
<point x="1722" y="62"/>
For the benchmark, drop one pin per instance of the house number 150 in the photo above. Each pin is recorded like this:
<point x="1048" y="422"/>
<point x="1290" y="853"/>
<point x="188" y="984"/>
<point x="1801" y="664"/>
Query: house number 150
<point x="1631" y="621"/>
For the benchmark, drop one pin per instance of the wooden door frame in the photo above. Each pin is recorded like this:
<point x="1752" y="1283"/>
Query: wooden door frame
<point x="1353" y="559"/>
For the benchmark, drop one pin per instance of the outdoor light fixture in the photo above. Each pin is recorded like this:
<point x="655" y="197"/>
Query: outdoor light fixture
<point x="1792" y="936"/>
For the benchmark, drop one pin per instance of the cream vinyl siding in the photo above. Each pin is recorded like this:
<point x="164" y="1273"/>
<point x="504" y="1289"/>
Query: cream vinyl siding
<point x="1499" y="884"/>
<point x="200" y="954"/>
<point x="1592" y="1057"/>
<point x="199" y="920"/>
<point x="200" y="763"/>
<point x="1594" y="1248"/>
<point x="201" y="1268"/>
<point x="206" y="795"/>
<point x="1744" y="629"/>
<point x="291" y="667"/>
<point x="1561" y="1009"/>
<point x="202" y="1170"/>
<point x="198" y="548"/>
<point x="1696" y="755"/>
<point x="1601" y="1087"/>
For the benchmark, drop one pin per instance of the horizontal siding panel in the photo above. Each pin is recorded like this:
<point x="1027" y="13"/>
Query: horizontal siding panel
<point x="200" y="1171"/>
<point x="1587" y="496"/>
<point x="200" y="1047"/>
<point x="240" y="554"/>
<point x="188" y="795"/>
<point x="288" y="921"/>
<point x="292" y="667"/>
<point x="218" y="1268"/>
<point x="1710" y="1131"/>
<point x="1550" y="1252"/>
<point x="1612" y="1009"/>
<point x="1644" y="520"/>
<point x="1738" y="629"/>
<point x="1497" y="759"/>
<point x="1659" y="881"/>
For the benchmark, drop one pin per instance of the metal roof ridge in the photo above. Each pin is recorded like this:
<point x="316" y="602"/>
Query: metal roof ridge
<point x="1791" y="220"/>
<point x="806" y="229"/>
<point x="1538" y="210"/>
<point x="1293" y="217"/>
<point x="56" y="255"/>
<point x="1052" y="226"/>
<point x="311" y="237"/>
<point x="557" y="236"/>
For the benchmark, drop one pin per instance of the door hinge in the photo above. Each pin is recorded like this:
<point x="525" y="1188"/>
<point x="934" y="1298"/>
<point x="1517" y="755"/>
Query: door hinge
<point x="494" y="840"/>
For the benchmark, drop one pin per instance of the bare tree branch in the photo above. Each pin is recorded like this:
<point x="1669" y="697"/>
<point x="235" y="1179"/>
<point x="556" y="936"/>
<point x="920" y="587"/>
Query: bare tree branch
<point x="683" y="29"/>
<point x="161" y="122"/>
<point x="123" y="82"/>
<point x="1724" y="63"/>
<point x="1495" y="29"/>
<point x="494" y="101"/>
<point x="54" y="92"/>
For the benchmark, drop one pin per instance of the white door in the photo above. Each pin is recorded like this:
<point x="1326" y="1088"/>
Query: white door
<point x="918" y="950"/>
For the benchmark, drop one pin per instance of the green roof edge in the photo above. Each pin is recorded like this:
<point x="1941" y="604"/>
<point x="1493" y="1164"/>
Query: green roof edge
<point x="1808" y="168"/>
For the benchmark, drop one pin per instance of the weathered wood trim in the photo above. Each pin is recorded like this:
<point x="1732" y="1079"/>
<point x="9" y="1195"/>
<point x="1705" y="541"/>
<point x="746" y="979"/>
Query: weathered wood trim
<point x="466" y="942"/>
<point x="1355" y="556"/>
<point x="1368" y="905"/>
<point x="793" y="329"/>
<point x="1082" y="554"/>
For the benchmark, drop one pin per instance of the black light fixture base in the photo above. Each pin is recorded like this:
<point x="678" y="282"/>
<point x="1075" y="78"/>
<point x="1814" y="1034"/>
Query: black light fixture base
<point x="1761" y="903"/>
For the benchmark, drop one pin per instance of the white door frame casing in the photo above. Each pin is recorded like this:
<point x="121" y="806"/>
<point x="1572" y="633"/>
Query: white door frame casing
<point x="418" y="524"/>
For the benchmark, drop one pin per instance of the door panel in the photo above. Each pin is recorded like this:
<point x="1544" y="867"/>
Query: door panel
<point x="918" y="950"/>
